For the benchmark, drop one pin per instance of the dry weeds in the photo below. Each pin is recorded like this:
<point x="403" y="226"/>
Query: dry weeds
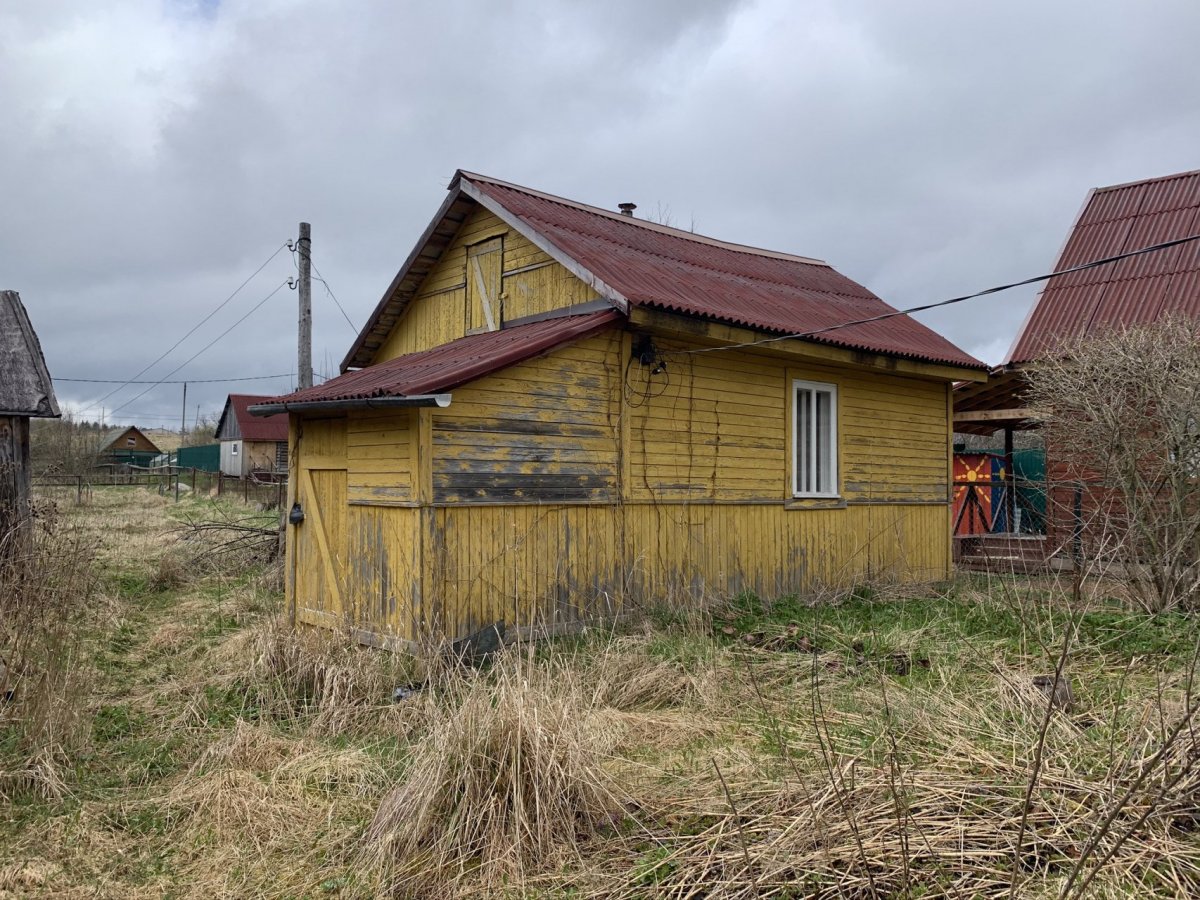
<point x="507" y="780"/>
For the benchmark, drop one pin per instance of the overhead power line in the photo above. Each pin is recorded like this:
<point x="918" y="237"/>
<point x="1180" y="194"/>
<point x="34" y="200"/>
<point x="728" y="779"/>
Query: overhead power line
<point x="251" y="312"/>
<point x="176" y="381"/>
<point x="328" y="289"/>
<point x="192" y="330"/>
<point x="1164" y="245"/>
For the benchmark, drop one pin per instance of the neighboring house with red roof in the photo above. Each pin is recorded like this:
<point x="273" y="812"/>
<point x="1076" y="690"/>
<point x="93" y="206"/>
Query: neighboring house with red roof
<point x="251" y="444"/>
<point x="1133" y="291"/>
<point x="556" y="409"/>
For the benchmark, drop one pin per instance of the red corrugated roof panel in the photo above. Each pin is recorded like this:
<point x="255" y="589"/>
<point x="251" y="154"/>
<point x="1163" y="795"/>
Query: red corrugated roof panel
<point x="254" y="428"/>
<point x="449" y="365"/>
<point x="1133" y="291"/>
<point x="665" y="268"/>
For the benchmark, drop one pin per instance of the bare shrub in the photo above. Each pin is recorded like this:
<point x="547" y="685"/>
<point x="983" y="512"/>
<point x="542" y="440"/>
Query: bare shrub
<point x="44" y="594"/>
<point x="507" y="780"/>
<point x="1122" y="412"/>
<point x="941" y="811"/>
<point x="64" y="446"/>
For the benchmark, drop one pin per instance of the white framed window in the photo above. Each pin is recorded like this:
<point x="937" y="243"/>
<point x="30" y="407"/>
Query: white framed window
<point x="814" y="437"/>
<point x="235" y="448"/>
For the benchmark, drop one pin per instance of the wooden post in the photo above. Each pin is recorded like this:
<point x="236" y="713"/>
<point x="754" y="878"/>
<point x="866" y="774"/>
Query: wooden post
<point x="15" y="486"/>
<point x="193" y="481"/>
<point x="304" y="373"/>
<point x="1010" y="481"/>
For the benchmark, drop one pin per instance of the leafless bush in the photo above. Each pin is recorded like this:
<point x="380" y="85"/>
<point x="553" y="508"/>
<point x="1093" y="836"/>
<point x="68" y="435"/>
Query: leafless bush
<point x="1121" y="412"/>
<point x="44" y="594"/>
<point x="63" y="446"/>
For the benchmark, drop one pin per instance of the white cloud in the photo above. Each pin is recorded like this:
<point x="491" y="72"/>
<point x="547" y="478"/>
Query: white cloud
<point x="156" y="151"/>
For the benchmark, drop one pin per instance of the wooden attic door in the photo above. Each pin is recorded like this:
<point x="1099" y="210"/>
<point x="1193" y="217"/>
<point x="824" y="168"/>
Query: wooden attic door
<point x="484" y="262"/>
<point x="321" y="556"/>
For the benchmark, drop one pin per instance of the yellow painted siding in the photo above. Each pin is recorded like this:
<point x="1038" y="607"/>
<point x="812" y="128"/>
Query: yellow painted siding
<point x="379" y="456"/>
<point x="319" y="552"/>
<point x="542" y="430"/>
<point x="383" y="573"/>
<point x="551" y="565"/>
<point x="528" y="564"/>
<point x="716" y="426"/>
<point x="712" y="426"/>
<point x="723" y="549"/>
<point x="442" y="311"/>
<point x="560" y="488"/>
<point x="543" y="289"/>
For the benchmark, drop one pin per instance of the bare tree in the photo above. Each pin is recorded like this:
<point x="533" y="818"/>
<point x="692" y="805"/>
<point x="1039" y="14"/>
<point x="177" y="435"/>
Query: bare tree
<point x="1121" y="414"/>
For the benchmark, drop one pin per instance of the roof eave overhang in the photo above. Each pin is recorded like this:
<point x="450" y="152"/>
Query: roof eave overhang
<point x="26" y="414"/>
<point x="299" y="406"/>
<point x="360" y="355"/>
<point x="720" y="333"/>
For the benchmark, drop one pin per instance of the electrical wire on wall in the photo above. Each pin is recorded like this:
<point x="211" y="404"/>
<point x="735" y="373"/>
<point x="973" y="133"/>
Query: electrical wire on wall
<point x="650" y="378"/>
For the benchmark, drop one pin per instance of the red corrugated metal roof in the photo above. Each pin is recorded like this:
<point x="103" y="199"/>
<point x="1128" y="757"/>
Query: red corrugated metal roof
<point x="1133" y="291"/>
<point x="449" y="365"/>
<point x="639" y="263"/>
<point x="254" y="428"/>
<point x="666" y="268"/>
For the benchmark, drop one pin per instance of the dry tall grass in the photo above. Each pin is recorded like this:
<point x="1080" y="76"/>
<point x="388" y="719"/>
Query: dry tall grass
<point x="508" y="778"/>
<point x="45" y="589"/>
<point x="882" y="790"/>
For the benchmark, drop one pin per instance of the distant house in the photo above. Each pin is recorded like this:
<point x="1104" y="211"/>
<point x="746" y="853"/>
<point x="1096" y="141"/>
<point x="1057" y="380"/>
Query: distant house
<point x="251" y="444"/>
<point x="1133" y="291"/>
<point x="127" y="446"/>
<point x="556" y="409"/>
<point x="25" y="392"/>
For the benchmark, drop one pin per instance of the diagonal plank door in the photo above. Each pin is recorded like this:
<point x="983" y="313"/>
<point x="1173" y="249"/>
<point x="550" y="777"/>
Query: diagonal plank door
<point x="320" y="540"/>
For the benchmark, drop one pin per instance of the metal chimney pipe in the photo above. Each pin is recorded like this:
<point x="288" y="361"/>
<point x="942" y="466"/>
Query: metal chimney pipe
<point x="627" y="208"/>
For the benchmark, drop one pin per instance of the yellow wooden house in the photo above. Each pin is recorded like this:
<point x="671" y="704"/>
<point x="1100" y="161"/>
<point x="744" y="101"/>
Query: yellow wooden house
<point x="557" y="410"/>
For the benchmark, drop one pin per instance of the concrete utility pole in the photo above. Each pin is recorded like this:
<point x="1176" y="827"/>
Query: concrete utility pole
<point x="304" y="372"/>
<point x="183" y="416"/>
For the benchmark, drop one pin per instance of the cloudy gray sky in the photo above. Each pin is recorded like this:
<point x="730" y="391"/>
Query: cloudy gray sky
<point x="156" y="152"/>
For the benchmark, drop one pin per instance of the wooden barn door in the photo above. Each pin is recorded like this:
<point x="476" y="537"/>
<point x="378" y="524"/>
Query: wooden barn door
<point x="320" y="540"/>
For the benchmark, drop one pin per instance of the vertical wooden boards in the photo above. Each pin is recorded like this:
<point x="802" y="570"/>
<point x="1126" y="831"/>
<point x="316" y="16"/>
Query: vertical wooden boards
<point x="549" y="566"/>
<point x="259" y="456"/>
<point x="379" y="456"/>
<point x="14" y="483"/>
<point x="535" y="566"/>
<point x="484" y="262"/>
<point x="320" y="540"/>
<point x="383" y="571"/>
<point x="518" y="280"/>
<point x="552" y="491"/>
<point x="547" y="286"/>
<point x="676" y="550"/>
<point x="545" y="430"/>
<point x="715" y="426"/>
<point x="709" y="426"/>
